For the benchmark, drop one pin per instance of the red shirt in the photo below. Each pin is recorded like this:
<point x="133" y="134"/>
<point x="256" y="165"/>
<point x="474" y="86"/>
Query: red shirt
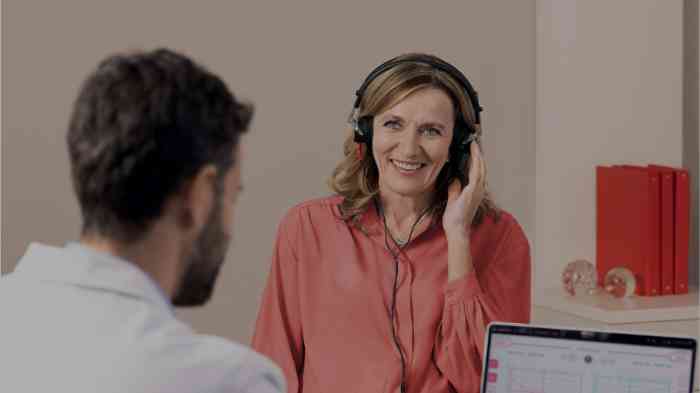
<point x="324" y="317"/>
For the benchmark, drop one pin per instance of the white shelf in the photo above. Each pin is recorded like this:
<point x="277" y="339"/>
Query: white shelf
<point x="635" y="309"/>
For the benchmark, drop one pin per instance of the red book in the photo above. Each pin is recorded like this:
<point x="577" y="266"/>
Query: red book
<point x="627" y="224"/>
<point x="667" y="218"/>
<point x="682" y="230"/>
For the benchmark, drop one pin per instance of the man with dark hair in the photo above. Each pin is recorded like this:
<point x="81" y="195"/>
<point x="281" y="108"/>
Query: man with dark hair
<point x="154" y="150"/>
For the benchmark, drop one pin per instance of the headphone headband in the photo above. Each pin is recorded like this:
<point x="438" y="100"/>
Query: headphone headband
<point x="428" y="60"/>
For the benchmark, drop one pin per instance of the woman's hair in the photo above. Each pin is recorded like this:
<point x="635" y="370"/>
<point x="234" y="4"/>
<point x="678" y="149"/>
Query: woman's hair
<point x="356" y="178"/>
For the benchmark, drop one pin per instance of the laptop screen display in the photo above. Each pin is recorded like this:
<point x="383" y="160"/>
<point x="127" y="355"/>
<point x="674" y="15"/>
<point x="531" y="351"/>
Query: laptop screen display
<point x="545" y="360"/>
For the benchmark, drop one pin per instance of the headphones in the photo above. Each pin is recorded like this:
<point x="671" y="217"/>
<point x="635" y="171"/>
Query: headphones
<point x="464" y="132"/>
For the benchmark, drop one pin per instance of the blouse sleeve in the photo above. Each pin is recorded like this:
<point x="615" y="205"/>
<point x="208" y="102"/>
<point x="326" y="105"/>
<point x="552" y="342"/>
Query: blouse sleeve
<point x="278" y="330"/>
<point x="500" y="291"/>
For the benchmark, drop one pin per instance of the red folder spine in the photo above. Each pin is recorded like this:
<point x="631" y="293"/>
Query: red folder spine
<point x="682" y="229"/>
<point x="653" y="255"/>
<point x="667" y="228"/>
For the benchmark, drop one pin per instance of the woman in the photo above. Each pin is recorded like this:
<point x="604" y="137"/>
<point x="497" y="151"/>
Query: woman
<point x="390" y="284"/>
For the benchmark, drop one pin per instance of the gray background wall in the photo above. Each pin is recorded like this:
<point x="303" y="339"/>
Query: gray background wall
<point x="691" y="141"/>
<point x="299" y="63"/>
<point x="556" y="78"/>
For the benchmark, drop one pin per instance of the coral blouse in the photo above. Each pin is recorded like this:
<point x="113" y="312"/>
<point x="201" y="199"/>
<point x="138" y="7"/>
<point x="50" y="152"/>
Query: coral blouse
<point x="324" y="317"/>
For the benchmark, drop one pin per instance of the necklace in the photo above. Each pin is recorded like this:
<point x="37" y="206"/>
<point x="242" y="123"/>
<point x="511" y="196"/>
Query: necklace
<point x="398" y="241"/>
<point x="387" y="233"/>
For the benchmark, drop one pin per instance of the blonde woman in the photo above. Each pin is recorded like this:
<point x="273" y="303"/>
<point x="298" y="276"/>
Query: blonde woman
<point x="389" y="284"/>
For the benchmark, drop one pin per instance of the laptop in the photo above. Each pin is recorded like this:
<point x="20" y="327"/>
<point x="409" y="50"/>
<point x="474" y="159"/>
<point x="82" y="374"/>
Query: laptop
<point x="543" y="359"/>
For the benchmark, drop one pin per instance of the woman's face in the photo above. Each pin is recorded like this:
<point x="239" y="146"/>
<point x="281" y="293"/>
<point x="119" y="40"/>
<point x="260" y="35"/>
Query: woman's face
<point x="411" y="142"/>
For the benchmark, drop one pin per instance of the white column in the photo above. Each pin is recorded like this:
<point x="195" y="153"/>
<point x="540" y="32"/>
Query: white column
<point x="609" y="90"/>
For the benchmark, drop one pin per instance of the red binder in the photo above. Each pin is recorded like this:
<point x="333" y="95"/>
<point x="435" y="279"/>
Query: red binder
<point x="681" y="228"/>
<point x="667" y="220"/>
<point x="627" y="224"/>
<point x="682" y="231"/>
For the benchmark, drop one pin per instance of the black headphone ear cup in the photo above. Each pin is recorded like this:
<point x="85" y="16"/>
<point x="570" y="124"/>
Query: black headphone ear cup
<point x="459" y="150"/>
<point x="460" y="137"/>
<point x="363" y="131"/>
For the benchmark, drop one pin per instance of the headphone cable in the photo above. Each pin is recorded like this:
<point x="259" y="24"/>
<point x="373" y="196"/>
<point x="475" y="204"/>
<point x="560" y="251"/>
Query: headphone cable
<point x="392" y="313"/>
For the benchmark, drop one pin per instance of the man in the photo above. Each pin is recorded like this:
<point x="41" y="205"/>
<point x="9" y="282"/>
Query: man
<point x="154" y="151"/>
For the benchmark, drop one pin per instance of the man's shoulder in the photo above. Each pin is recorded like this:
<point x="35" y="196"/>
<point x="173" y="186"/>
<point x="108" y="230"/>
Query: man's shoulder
<point x="248" y="367"/>
<point x="231" y="353"/>
<point x="205" y="364"/>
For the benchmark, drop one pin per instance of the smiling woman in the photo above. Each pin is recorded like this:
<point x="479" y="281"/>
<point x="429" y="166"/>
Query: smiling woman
<point x="390" y="284"/>
<point x="390" y="99"/>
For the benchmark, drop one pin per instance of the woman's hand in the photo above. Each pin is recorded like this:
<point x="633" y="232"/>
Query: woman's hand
<point x="463" y="204"/>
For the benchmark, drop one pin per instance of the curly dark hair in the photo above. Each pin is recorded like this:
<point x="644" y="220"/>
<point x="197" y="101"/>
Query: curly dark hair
<point x="142" y="125"/>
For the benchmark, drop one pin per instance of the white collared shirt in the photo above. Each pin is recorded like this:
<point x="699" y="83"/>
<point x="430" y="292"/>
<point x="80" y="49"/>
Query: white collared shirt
<point x="76" y="320"/>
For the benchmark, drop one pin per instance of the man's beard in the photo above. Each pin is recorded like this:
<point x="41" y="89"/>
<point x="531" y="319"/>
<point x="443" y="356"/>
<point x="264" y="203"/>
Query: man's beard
<point x="203" y="263"/>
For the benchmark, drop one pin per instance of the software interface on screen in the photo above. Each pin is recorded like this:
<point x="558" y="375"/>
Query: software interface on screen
<point x="526" y="364"/>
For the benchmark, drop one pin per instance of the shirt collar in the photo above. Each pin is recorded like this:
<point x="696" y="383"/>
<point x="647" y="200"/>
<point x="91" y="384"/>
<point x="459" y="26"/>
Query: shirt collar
<point x="372" y="223"/>
<point x="79" y="265"/>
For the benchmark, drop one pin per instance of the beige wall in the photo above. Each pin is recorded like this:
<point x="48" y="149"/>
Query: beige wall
<point x="690" y="123"/>
<point x="693" y="8"/>
<point x="617" y="82"/>
<point x="609" y="91"/>
<point x="299" y="64"/>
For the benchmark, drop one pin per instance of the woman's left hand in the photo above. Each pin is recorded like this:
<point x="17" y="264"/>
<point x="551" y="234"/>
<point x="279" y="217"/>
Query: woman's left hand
<point x="462" y="204"/>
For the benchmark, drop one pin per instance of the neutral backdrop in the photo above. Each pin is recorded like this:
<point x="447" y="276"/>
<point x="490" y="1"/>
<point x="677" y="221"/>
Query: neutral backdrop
<point x="299" y="62"/>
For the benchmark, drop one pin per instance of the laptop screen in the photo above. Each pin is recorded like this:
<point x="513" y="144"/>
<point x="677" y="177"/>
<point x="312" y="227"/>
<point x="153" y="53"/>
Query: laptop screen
<point x="531" y="359"/>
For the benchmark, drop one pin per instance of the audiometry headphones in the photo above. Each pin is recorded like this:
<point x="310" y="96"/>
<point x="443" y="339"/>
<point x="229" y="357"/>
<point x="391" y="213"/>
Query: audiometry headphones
<point x="464" y="133"/>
